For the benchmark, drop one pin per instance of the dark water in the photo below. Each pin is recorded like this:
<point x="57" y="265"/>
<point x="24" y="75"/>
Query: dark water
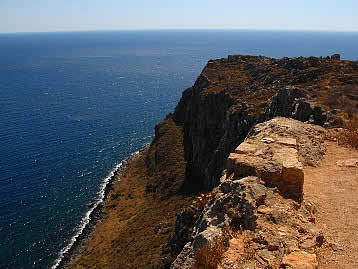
<point x="73" y="105"/>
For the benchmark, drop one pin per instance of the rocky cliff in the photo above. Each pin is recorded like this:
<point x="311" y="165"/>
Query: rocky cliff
<point x="225" y="145"/>
<point x="222" y="183"/>
<point x="252" y="197"/>
<point x="232" y="94"/>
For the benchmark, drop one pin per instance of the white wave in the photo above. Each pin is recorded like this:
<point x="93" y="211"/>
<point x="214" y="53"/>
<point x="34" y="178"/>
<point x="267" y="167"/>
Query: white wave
<point x="87" y="218"/>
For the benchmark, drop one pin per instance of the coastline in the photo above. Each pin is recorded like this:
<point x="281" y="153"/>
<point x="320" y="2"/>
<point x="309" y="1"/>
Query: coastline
<point x="95" y="213"/>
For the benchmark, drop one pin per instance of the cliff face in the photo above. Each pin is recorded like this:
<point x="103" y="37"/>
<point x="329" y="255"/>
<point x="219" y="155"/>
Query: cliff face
<point x="215" y="115"/>
<point x="233" y="94"/>
<point x="232" y="156"/>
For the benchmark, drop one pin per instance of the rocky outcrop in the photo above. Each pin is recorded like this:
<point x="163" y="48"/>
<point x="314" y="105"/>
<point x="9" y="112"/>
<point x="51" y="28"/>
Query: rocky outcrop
<point x="252" y="197"/>
<point x="216" y="114"/>
<point x="292" y="103"/>
<point x="233" y="94"/>
<point x="210" y="130"/>
<point x="273" y="151"/>
<point x="274" y="226"/>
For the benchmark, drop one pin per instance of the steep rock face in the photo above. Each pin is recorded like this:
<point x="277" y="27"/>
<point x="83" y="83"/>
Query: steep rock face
<point x="210" y="130"/>
<point x="291" y="102"/>
<point x="231" y="95"/>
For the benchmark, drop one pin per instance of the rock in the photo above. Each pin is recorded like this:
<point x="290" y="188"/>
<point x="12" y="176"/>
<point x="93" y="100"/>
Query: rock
<point x="291" y="102"/>
<point x="272" y="152"/>
<point x="348" y="163"/>
<point x="300" y="260"/>
<point x="267" y="140"/>
<point x="207" y="236"/>
<point x="336" y="247"/>
<point x="292" y="170"/>
<point x="320" y="239"/>
<point x="232" y="207"/>
<point x="225" y="187"/>
<point x="246" y="148"/>
<point x="283" y="102"/>
<point x="287" y="141"/>
<point x="265" y="256"/>
<point x="264" y="210"/>
<point x="185" y="259"/>
<point x="255" y="190"/>
<point x="183" y="227"/>
<point x="336" y="56"/>
<point x="314" y="61"/>
<point x="308" y="243"/>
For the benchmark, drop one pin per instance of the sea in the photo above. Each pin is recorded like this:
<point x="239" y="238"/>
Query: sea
<point x="74" y="105"/>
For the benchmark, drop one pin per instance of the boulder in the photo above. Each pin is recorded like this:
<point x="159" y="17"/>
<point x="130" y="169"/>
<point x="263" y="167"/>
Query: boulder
<point x="272" y="152"/>
<point x="300" y="260"/>
<point x="336" y="56"/>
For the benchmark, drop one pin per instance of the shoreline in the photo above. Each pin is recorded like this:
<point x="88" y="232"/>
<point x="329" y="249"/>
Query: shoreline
<point x="94" y="215"/>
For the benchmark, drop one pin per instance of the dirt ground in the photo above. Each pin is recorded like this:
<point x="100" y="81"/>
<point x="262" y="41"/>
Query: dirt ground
<point x="333" y="188"/>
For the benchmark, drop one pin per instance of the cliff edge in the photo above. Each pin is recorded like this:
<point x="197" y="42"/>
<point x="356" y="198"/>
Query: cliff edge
<point x="227" y="170"/>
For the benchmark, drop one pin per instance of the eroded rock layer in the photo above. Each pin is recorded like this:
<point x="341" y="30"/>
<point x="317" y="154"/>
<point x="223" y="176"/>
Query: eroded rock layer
<point x="265" y="170"/>
<point x="232" y="94"/>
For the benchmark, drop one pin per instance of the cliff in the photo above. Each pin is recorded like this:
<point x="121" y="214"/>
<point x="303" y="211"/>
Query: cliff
<point x="233" y="94"/>
<point x="229" y="163"/>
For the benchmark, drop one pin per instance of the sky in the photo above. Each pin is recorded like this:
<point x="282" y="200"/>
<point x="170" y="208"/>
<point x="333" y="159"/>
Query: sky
<point x="83" y="15"/>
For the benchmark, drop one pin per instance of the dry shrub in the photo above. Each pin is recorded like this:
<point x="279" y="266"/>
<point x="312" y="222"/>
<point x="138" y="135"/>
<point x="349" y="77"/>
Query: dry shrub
<point x="210" y="255"/>
<point x="349" y="135"/>
<point x="344" y="98"/>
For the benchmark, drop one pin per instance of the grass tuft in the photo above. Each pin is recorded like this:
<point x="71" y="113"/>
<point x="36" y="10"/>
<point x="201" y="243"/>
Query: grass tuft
<point x="211" y="254"/>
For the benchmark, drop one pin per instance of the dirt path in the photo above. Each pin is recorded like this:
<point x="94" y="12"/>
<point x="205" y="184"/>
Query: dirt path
<point x="333" y="188"/>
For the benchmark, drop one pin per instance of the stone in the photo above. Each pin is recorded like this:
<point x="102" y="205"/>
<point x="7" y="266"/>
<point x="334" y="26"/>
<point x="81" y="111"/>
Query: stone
<point x="185" y="259"/>
<point x="257" y="193"/>
<point x="246" y="148"/>
<point x="335" y="247"/>
<point x="207" y="236"/>
<point x="336" y="56"/>
<point x="225" y="187"/>
<point x="292" y="171"/>
<point x="276" y="158"/>
<point x="320" y="239"/>
<point x="244" y="165"/>
<point x="308" y="243"/>
<point x="348" y="163"/>
<point x="287" y="141"/>
<point x="267" y="140"/>
<point x="300" y="260"/>
<point x="265" y="256"/>
<point x="264" y="210"/>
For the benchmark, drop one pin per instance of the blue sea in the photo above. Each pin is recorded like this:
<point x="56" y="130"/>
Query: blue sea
<point x="74" y="105"/>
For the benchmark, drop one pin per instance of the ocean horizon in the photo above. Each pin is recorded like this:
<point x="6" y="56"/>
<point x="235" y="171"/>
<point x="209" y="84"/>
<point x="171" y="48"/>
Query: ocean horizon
<point x="74" y="105"/>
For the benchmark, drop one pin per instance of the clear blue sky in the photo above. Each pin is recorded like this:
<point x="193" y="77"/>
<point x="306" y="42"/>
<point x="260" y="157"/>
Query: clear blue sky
<point x="77" y="15"/>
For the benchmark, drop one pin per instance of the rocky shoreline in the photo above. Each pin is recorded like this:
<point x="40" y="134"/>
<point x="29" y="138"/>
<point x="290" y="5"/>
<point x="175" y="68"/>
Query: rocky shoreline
<point x="97" y="213"/>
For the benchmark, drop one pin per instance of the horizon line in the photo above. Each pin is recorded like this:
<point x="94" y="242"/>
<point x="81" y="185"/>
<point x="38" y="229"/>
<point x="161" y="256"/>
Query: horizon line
<point x="182" y="29"/>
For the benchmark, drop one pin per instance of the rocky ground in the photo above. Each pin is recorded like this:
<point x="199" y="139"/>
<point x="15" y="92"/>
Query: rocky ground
<point x="261" y="195"/>
<point x="274" y="229"/>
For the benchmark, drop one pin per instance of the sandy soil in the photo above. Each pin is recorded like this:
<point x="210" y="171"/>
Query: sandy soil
<point x="334" y="191"/>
